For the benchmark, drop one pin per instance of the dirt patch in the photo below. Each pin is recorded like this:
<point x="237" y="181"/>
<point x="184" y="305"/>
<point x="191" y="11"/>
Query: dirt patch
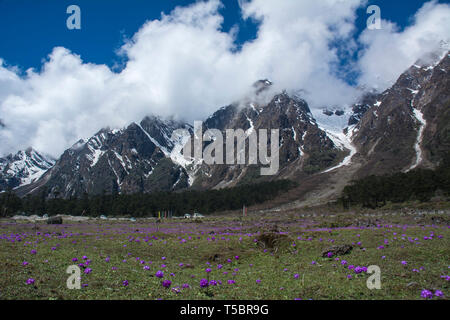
<point x="274" y="240"/>
<point x="339" y="250"/>
<point x="225" y="254"/>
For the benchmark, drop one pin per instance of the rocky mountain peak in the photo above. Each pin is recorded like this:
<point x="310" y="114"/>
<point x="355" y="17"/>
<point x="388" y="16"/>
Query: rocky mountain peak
<point x="24" y="167"/>
<point x="262" y="85"/>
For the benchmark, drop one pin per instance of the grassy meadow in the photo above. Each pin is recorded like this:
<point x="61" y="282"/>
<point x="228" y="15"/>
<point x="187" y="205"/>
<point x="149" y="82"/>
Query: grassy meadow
<point x="270" y="257"/>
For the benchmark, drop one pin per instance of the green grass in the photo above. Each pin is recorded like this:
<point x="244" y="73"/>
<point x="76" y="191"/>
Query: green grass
<point x="327" y="279"/>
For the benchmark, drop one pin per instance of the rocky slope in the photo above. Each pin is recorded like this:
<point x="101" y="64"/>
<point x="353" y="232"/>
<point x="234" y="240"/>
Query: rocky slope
<point x="408" y="125"/>
<point x="130" y="160"/>
<point x="305" y="149"/>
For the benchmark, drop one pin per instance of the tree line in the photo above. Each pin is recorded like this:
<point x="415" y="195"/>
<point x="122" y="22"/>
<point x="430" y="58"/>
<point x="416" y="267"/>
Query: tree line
<point x="145" y="205"/>
<point x="415" y="185"/>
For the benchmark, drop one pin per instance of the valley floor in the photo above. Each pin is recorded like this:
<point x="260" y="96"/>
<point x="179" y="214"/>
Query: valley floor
<point x="279" y="256"/>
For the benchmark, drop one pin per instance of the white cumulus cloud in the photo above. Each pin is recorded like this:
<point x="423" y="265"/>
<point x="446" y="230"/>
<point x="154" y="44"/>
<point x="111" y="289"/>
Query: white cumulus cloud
<point x="389" y="51"/>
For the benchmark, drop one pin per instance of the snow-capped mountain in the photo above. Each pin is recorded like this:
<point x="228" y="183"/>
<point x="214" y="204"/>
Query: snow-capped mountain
<point x="305" y="148"/>
<point x="405" y="127"/>
<point x="129" y="160"/>
<point x="23" y="168"/>
<point x="144" y="157"/>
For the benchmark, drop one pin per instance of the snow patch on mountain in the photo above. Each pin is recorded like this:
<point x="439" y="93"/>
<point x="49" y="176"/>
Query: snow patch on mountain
<point x="190" y="164"/>
<point x="252" y="127"/>
<point x="95" y="153"/>
<point x="115" y="173"/>
<point x="334" y="127"/>
<point x="342" y="141"/>
<point x="417" y="146"/>
<point x="120" y="158"/>
<point x="333" y="123"/>
<point x="155" y="142"/>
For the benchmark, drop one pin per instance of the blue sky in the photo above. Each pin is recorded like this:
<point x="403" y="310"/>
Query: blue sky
<point x="30" y="29"/>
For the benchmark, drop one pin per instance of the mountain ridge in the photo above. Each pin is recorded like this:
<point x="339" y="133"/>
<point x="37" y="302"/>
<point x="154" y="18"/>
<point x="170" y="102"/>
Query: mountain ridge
<point x="395" y="130"/>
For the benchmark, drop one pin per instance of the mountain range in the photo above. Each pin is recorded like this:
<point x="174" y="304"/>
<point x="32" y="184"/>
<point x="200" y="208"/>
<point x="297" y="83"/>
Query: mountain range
<point x="405" y="127"/>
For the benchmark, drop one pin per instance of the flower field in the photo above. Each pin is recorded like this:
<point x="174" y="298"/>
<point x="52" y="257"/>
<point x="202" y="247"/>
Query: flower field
<point x="277" y="256"/>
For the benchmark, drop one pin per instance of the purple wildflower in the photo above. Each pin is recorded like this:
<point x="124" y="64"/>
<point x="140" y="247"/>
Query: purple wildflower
<point x="439" y="293"/>
<point x="358" y="270"/>
<point x="204" y="283"/>
<point x="213" y="283"/>
<point x="427" y="294"/>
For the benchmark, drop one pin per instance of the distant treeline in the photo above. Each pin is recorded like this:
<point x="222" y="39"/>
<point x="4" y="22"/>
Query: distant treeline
<point x="146" y="205"/>
<point x="416" y="185"/>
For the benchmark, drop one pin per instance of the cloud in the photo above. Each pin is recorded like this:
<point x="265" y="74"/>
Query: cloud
<point x="184" y="65"/>
<point x="389" y="52"/>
